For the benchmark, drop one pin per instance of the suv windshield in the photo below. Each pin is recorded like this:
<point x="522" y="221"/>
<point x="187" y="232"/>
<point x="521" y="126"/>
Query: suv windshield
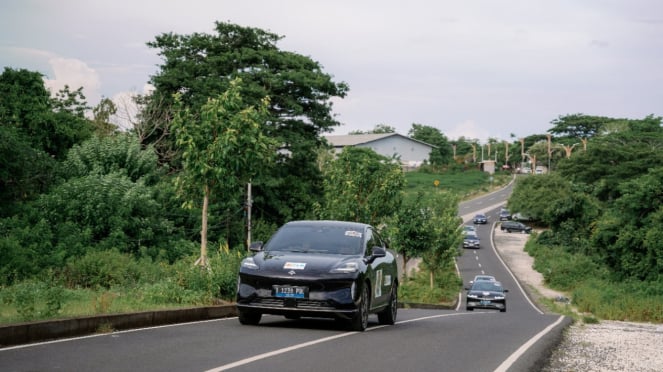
<point x="316" y="239"/>
<point x="489" y="286"/>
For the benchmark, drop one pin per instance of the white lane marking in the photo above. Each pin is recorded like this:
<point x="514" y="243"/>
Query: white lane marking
<point x="113" y="334"/>
<point x="314" y="342"/>
<point x="277" y="352"/>
<point x="499" y="257"/>
<point x="521" y="350"/>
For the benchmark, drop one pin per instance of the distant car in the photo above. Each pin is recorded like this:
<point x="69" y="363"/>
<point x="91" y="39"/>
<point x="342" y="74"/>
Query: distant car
<point x="505" y="215"/>
<point x="520" y="217"/>
<point x="511" y="226"/>
<point x="480" y="219"/>
<point x="469" y="230"/>
<point x="478" y="278"/>
<point x="486" y="294"/>
<point x="324" y="269"/>
<point x="471" y="241"/>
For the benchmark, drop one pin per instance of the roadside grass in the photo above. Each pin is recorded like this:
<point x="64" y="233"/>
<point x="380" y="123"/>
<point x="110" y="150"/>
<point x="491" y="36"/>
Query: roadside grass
<point x="594" y="293"/>
<point x="80" y="303"/>
<point x="464" y="183"/>
<point x="416" y="288"/>
<point x="179" y="285"/>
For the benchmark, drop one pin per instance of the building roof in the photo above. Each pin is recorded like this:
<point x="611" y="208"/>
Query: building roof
<point x="361" y="139"/>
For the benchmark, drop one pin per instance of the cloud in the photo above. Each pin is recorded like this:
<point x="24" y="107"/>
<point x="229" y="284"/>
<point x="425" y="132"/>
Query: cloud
<point x="74" y="73"/>
<point x="127" y="110"/>
<point x="467" y="129"/>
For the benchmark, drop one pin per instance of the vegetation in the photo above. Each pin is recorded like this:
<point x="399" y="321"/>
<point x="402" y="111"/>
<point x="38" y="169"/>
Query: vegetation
<point x="605" y="239"/>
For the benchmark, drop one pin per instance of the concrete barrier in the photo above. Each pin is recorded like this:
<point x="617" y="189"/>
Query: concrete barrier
<point x="23" y="333"/>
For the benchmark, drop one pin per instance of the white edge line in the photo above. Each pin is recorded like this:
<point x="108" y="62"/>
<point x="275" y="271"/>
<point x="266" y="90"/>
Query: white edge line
<point x="111" y="333"/>
<point x="499" y="257"/>
<point x="521" y="350"/>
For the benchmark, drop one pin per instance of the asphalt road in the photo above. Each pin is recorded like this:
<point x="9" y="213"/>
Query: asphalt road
<point x="421" y="340"/>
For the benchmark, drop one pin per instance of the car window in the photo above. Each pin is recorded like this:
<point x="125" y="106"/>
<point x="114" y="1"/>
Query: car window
<point x="373" y="240"/>
<point x="485" y="285"/>
<point x="317" y="239"/>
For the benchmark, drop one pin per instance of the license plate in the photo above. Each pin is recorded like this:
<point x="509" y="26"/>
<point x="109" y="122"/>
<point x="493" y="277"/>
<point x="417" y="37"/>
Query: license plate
<point x="485" y="302"/>
<point x="290" y="291"/>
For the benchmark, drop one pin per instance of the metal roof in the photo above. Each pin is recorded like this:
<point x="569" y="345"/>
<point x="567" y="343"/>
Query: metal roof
<point x="360" y="139"/>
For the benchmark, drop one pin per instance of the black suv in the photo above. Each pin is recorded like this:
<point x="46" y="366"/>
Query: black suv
<point x="510" y="226"/>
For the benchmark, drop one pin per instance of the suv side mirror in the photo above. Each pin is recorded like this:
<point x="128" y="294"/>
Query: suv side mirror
<point x="375" y="253"/>
<point x="255" y="246"/>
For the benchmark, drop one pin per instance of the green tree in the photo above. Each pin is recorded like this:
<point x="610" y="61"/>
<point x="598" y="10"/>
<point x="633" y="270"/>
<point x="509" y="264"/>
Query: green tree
<point x="532" y="196"/>
<point x="25" y="172"/>
<point x="616" y="157"/>
<point x="102" y="114"/>
<point x="104" y="155"/>
<point x="579" y="126"/>
<point x="427" y="227"/>
<point x="443" y="152"/>
<point x="627" y="234"/>
<point x="300" y="108"/>
<point x="224" y="147"/>
<point x="362" y="186"/>
<point x="447" y="237"/>
<point x="51" y="125"/>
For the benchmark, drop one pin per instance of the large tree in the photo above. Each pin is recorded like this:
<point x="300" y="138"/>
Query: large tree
<point x="443" y="152"/>
<point x="616" y="157"/>
<point x="224" y="147"/>
<point x="199" y="66"/>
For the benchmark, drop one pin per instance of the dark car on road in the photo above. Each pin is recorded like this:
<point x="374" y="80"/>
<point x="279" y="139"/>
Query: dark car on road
<point x="505" y="215"/>
<point x="486" y="294"/>
<point x="328" y="269"/>
<point x="480" y="219"/>
<point x="471" y="241"/>
<point x="511" y="226"/>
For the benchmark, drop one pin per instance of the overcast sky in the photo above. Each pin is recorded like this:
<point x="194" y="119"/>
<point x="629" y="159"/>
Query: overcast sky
<point x="475" y="68"/>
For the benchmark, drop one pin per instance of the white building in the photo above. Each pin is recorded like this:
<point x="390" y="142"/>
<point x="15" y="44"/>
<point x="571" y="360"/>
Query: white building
<point x="411" y="152"/>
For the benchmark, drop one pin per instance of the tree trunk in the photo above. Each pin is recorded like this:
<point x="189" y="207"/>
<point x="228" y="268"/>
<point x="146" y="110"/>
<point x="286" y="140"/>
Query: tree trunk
<point x="406" y="259"/>
<point x="432" y="280"/>
<point x="202" y="261"/>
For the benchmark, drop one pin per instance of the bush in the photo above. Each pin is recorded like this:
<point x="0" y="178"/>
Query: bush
<point x="560" y="269"/>
<point x="33" y="299"/>
<point x="104" y="269"/>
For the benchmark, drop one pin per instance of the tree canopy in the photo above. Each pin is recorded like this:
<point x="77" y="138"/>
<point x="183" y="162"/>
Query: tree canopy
<point x="199" y="66"/>
<point x="443" y="152"/>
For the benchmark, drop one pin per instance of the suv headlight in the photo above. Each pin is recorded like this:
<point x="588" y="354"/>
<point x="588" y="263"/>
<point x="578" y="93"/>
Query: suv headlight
<point x="249" y="263"/>
<point x="345" y="268"/>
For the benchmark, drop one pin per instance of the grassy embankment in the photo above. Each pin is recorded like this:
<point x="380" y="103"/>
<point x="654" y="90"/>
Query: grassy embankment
<point x="593" y="290"/>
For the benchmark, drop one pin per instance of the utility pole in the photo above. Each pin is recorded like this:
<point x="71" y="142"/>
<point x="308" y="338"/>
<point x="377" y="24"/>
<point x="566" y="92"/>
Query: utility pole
<point x="249" y="202"/>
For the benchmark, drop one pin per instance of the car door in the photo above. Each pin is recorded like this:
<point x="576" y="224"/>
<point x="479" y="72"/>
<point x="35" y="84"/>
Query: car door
<point x="379" y="270"/>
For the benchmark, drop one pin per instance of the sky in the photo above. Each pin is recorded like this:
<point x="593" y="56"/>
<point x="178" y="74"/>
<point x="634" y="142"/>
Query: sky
<point x="480" y="69"/>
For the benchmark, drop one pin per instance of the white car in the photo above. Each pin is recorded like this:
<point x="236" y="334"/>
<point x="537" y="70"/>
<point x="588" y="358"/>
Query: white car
<point x="479" y="278"/>
<point x="520" y="217"/>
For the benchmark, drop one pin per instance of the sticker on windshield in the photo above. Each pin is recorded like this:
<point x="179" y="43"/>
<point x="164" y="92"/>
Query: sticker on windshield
<point x="294" y="265"/>
<point x="354" y="234"/>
